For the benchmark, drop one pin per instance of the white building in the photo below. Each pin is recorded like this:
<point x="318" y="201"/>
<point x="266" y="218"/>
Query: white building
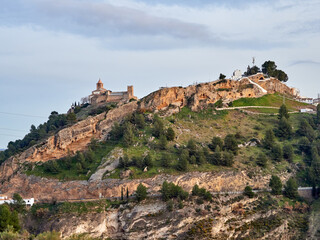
<point x="5" y="199"/>
<point x="237" y="74"/>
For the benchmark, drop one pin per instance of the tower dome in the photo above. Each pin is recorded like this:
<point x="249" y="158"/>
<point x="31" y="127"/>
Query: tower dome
<point x="99" y="84"/>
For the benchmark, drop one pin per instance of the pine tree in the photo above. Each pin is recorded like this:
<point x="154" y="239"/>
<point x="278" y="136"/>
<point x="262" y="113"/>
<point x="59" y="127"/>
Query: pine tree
<point x="275" y="185"/>
<point x="283" y="112"/>
<point x="269" y="138"/>
<point x="288" y="152"/>
<point x="277" y="153"/>
<point x="163" y="142"/>
<point x="170" y="134"/>
<point x="121" y="194"/>
<point x="141" y="192"/>
<point x="262" y="160"/>
<point x="284" y="130"/>
<point x="128" y="135"/>
<point x="291" y="189"/>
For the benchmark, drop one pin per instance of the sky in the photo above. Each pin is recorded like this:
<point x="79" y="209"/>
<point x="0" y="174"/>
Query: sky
<point x="52" y="52"/>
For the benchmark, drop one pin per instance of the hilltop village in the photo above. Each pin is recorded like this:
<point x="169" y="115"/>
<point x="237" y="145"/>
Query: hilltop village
<point x="214" y="160"/>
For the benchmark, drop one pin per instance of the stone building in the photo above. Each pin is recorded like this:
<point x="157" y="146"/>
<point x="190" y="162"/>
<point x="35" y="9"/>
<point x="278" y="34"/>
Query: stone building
<point x="102" y="95"/>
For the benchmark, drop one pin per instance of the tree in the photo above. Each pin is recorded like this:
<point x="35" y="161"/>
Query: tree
<point x="124" y="161"/>
<point x="283" y="112"/>
<point x="116" y="132"/>
<point x="251" y="71"/>
<point x="248" y="192"/>
<point x="216" y="157"/>
<point x="227" y="159"/>
<point x="8" y="218"/>
<point x="19" y="204"/>
<point x="275" y="185"/>
<point x="222" y="76"/>
<point x="284" y="130"/>
<point x="163" y="142"/>
<point x="182" y="163"/>
<point x="195" y="190"/>
<point x="148" y="161"/>
<point x="139" y="121"/>
<point x="122" y="194"/>
<point x="304" y="145"/>
<point x="170" y="134"/>
<point x="158" y="128"/>
<point x="306" y="130"/>
<point x="269" y="138"/>
<point x="277" y="153"/>
<point x="216" y="141"/>
<point x="141" y="192"/>
<point x="269" y="68"/>
<point x="165" y="160"/>
<point x="71" y="117"/>
<point x="128" y="135"/>
<point x="127" y="193"/>
<point x="192" y="147"/>
<point x="262" y="160"/>
<point x="288" y="152"/>
<point x="291" y="189"/>
<point x="230" y="144"/>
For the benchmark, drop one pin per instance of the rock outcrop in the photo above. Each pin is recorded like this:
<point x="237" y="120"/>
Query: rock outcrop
<point x="48" y="189"/>
<point x="204" y="94"/>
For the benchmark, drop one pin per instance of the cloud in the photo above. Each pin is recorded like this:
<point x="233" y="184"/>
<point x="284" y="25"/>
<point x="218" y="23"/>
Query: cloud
<point x="304" y="62"/>
<point x="98" y="19"/>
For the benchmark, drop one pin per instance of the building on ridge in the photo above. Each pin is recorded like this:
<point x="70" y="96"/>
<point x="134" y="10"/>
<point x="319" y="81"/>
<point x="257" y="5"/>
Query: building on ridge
<point x="101" y="95"/>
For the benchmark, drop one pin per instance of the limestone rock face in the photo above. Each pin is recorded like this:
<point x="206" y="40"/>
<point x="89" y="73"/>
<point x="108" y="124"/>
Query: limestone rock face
<point x="204" y="94"/>
<point x="48" y="189"/>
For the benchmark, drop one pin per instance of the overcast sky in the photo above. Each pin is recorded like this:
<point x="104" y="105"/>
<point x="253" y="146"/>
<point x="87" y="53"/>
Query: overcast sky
<point x="52" y="52"/>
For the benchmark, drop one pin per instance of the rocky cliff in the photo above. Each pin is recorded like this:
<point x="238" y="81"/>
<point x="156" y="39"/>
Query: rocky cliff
<point x="226" y="217"/>
<point x="201" y="95"/>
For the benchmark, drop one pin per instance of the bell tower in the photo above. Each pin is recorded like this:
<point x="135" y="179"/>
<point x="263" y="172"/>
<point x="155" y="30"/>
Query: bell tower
<point x="99" y="84"/>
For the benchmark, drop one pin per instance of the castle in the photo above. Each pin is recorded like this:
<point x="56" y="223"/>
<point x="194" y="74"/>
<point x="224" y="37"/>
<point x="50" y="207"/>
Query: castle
<point x="102" y="95"/>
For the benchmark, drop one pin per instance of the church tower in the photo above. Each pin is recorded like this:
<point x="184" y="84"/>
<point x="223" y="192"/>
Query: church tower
<point x="99" y="84"/>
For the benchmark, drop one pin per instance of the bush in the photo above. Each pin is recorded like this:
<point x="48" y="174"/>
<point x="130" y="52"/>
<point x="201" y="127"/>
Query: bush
<point x="276" y="153"/>
<point x="163" y="142"/>
<point x="216" y="141"/>
<point x="201" y="192"/>
<point x="170" y="134"/>
<point x="248" y="192"/>
<point x="141" y="192"/>
<point x="262" y="160"/>
<point x="170" y="190"/>
<point x="275" y="185"/>
<point x="166" y="160"/>
<point x="268" y="140"/>
<point x="230" y="144"/>
<point x="291" y="189"/>
<point x="284" y="130"/>
<point x="288" y="152"/>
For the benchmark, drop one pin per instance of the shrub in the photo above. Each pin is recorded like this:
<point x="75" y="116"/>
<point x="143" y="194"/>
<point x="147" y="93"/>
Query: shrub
<point x="248" y="192"/>
<point x="276" y="185"/>
<point x="291" y="189"/>
<point x="170" y="190"/>
<point x="276" y="153"/>
<point x="262" y="160"/>
<point x="141" y="192"/>
<point x="170" y="134"/>
<point x="216" y="141"/>
<point x="230" y="144"/>
<point x="288" y="152"/>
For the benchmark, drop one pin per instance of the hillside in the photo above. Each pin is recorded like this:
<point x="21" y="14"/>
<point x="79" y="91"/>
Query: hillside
<point x="180" y="136"/>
